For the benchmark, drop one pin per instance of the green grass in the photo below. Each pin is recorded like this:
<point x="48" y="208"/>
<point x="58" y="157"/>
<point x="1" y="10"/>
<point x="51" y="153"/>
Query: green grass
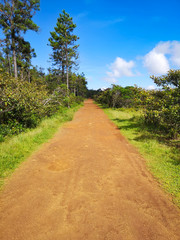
<point x="16" y="149"/>
<point x="162" y="156"/>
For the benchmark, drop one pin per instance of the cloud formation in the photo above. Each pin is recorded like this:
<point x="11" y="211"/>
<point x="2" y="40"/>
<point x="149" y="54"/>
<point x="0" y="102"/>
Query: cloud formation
<point x="175" y="58"/>
<point x="119" y="68"/>
<point x="156" y="63"/>
<point x="159" y="59"/>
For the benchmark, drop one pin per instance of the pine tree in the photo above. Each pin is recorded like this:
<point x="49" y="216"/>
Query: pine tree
<point x="25" y="54"/>
<point x="5" y="58"/>
<point x="62" y="41"/>
<point x="15" y="19"/>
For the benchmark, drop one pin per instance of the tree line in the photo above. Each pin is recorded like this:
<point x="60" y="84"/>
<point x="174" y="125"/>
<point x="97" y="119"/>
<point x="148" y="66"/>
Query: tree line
<point x="160" y="107"/>
<point x="27" y="94"/>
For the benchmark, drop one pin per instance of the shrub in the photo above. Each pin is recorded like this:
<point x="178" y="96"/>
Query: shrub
<point x="162" y="108"/>
<point x="21" y="101"/>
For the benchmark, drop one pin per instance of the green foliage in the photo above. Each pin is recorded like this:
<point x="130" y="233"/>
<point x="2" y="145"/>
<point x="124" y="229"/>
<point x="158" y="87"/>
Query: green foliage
<point x="15" y="20"/>
<point x="91" y="93"/>
<point x="77" y="83"/>
<point x="163" y="106"/>
<point x="172" y="79"/>
<point x="21" y="101"/>
<point x="16" y="149"/>
<point x="62" y="41"/>
<point x="162" y="156"/>
<point x="31" y="95"/>
<point x="118" y="96"/>
<point x="23" y="104"/>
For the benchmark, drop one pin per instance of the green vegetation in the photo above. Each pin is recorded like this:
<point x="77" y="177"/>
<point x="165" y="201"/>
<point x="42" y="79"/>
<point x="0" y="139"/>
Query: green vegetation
<point x="150" y="119"/>
<point x="16" y="149"/>
<point x="161" y="108"/>
<point x="33" y="103"/>
<point x="31" y="98"/>
<point x="23" y="104"/>
<point x="162" y="155"/>
<point x="15" y="20"/>
<point x="27" y="94"/>
<point x="62" y="41"/>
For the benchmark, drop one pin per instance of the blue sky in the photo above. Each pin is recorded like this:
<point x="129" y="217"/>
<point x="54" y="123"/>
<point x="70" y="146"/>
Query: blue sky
<point x="121" y="42"/>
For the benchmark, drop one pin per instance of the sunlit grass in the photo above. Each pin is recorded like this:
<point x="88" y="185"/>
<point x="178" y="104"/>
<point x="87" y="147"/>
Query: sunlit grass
<point x="16" y="149"/>
<point x="162" y="159"/>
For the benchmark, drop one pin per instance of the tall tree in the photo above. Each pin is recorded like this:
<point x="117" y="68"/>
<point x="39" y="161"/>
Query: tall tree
<point x="15" y="19"/>
<point x="25" y="53"/>
<point x="5" y="58"/>
<point x="62" y="41"/>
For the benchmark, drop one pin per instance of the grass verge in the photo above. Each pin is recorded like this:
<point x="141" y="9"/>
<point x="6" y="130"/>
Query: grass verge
<point x="16" y="149"/>
<point x="162" y="157"/>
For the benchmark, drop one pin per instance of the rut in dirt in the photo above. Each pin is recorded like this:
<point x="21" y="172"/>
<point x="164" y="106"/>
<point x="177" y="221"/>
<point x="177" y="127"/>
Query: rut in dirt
<point x="87" y="183"/>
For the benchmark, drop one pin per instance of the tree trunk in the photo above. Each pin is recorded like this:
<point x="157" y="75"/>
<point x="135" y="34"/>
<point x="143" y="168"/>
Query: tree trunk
<point x="15" y="62"/>
<point x="9" y="62"/>
<point x="67" y="79"/>
<point x="63" y="80"/>
<point x="13" y="44"/>
<point x="29" y="75"/>
<point x="67" y="76"/>
<point x="67" y="69"/>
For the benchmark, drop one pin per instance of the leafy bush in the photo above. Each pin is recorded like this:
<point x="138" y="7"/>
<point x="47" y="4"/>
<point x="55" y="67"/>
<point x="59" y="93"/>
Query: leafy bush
<point x="21" y="101"/>
<point x="23" y="104"/>
<point x="117" y="96"/>
<point x="163" y="106"/>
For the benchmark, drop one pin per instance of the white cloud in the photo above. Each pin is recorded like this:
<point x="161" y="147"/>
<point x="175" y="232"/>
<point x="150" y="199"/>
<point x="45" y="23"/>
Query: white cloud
<point x="119" y="68"/>
<point x="158" y="60"/>
<point x="151" y="87"/>
<point x="175" y="58"/>
<point x="163" y="47"/>
<point x="156" y="63"/>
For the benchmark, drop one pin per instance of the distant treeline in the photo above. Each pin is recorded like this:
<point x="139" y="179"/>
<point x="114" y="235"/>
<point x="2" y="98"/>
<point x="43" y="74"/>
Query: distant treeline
<point x="161" y="107"/>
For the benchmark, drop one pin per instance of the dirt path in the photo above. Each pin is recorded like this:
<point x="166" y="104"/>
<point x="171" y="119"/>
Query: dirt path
<point x="87" y="183"/>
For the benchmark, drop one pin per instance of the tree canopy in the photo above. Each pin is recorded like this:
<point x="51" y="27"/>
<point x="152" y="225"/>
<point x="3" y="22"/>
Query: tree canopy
<point x="63" y="45"/>
<point x="15" y="20"/>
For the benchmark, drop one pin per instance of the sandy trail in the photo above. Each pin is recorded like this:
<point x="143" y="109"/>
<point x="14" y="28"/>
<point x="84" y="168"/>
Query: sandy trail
<point x="87" y="183"/>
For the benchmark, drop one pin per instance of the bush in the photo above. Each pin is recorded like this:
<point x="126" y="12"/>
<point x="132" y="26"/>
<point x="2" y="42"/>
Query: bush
<point x="162" y="108"/>
<point x="23" y="104"/>
<point x="117" y="97"/>
<point x="21" y="101"/>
